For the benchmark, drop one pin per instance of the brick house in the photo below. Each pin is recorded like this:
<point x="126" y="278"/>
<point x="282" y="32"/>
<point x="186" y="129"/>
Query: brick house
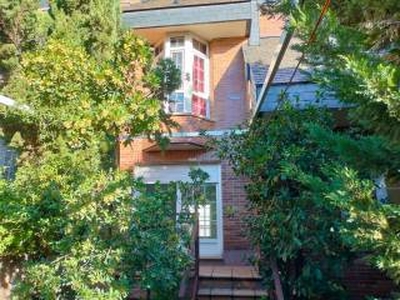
<point x="206" y="40"/>
<point x="224" y="49"/>
<point x="234" y="64"/>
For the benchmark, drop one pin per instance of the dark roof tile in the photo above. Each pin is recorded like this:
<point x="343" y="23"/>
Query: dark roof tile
<point x="260" y="57"/>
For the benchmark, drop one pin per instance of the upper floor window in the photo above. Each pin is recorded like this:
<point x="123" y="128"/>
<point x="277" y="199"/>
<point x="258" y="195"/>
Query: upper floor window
<point x="177" y="41"/>
<point x="199" y="46"/>
<point x="190" y="55"/>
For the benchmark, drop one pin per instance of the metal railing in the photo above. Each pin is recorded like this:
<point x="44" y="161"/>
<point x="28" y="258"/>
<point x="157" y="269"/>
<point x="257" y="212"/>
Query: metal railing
<point x="190" y="282"/>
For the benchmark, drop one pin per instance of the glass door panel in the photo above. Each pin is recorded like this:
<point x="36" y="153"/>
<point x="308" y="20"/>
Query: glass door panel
<point x="208" y="213"/>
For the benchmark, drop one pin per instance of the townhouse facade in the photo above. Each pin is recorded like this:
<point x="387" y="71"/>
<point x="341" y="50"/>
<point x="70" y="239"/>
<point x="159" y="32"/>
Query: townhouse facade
<point x="206" y="40"/>
<point x="235" y="63"/>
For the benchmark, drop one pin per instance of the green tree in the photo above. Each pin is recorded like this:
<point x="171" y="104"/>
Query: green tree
<point x="311" y="194"/>
<point x="96" y="24"/>
<point x="356" y="55"/>
<point x="69" y="214"/>
<point x="85" y="233"/>
<point x="69" y="219"/>
<point x="22" y="28"/>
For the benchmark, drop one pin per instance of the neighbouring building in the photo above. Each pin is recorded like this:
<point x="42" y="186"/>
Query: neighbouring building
<point x="7" y="155"/>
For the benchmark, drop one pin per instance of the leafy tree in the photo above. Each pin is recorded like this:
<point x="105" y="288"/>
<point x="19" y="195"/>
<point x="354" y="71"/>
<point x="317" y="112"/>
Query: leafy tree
<point x="311" y="194"/>
<point x="97" y="24"/>
<point x="82" y="235"/>
<point x="22" y="28"/>
<point x="69" y="219"/>
<point x="68" y="213"/>
<point x="356" y="54"/>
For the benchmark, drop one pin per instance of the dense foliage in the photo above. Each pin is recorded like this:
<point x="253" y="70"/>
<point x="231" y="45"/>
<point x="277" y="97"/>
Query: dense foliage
<point x="312" y="184"/>
<point x="312" y="194"/>
<point x="84" y="233"/>
<point x="76" y="227"/>
<point x="355" y="54"/>
<point x="25" y="26"/>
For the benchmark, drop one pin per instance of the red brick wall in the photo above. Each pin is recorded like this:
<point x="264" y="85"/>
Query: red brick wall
<point x="362" y="280"/>
<point x="229" y="107"/>
<point x="234" y="202"/>
<point x="229" y="104"/>
<point x="233" y="193"/>
<point x="271" y="26"/>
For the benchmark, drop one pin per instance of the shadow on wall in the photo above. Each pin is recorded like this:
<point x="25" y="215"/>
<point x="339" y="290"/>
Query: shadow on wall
<point x="229" y="103"/>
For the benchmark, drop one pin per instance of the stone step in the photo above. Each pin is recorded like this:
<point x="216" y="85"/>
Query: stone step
<point x="227" y="293"/>
<point x="229" y="272"/>
<point x="229" y="282"/>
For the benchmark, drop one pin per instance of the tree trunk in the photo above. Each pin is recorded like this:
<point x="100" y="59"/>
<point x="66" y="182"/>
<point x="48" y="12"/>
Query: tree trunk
<point x="7" y="273"/>
<point x="277" y="279"/>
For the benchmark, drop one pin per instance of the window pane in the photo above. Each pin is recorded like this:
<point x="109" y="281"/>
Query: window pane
<point x="208" y="213"/>
<point x="177" y="41"/>
<point x="199" y="106"/>
<point x="198" y="74"/>
<point x="177" y="102"/>
<point x="199" y="46"/>
<point x="178" y="57"/>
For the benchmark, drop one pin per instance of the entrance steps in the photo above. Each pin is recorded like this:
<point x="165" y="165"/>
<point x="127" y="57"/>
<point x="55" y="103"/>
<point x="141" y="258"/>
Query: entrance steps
<point x="222" y="282"/>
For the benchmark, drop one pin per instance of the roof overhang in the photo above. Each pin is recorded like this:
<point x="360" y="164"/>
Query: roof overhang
<point x="206" y="32"/>
<point x="242" y="16"/>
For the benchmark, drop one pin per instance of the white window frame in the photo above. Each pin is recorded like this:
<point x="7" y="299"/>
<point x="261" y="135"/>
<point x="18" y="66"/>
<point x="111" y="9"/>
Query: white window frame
<point x="209" y="247"/>
<point x="187" y="72"/>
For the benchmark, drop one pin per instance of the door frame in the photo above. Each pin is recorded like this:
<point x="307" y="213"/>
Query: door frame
<point x="209" y="248"/>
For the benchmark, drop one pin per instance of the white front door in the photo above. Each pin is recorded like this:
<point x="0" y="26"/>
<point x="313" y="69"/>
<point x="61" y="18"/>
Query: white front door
<point x="210" y="214"/>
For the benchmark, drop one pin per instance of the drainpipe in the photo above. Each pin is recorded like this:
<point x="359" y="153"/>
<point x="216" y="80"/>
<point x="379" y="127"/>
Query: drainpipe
<point x="12" y="103"/>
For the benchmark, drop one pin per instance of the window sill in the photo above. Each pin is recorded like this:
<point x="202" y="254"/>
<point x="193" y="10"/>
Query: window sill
<point x="190" y="115"/>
